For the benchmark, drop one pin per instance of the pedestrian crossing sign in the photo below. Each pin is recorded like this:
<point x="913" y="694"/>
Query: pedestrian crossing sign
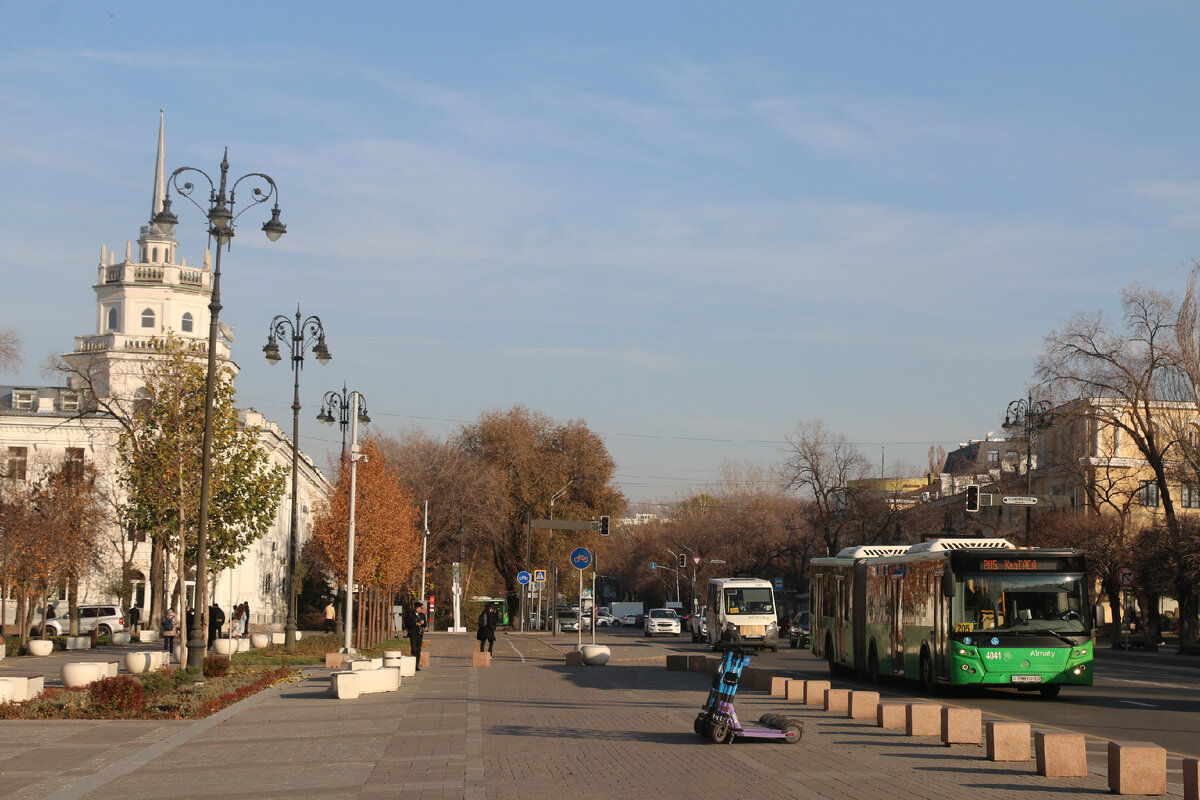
<point x="539" y="576"/>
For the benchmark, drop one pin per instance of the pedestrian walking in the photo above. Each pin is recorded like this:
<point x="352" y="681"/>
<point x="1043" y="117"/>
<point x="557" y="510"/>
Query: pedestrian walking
<point x="168" y="627"/>
<point x="488" y="621"/>
<point x="415" y="624"/>
<point x="330" y="616"/>
<point x="216" y="618"/>
<point x="235" y="624"/>
<point x="245" y="617"/>
<point x="135" y="618"/>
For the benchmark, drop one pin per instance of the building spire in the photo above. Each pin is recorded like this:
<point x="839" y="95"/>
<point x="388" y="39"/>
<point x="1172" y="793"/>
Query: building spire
<point x="160" y="178"/>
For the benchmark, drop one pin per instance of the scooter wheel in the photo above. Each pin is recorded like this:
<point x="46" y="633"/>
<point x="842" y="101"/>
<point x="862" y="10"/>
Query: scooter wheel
<point x="770" y="720"/>
<point x="720" y="733"/>
<point x="792" y="734"/>
<point x="698" y="726"/>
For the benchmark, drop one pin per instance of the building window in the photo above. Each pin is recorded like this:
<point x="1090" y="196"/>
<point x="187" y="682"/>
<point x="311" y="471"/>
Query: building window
<point x="993" y="456"/>
<point x="186" y="324"/>
<point x="1148" y="494"/>
<point x="1190" y="496"/>
<point x="155" y="256"/>
<point x="112" y="319"/>
<point x="70" y="401"/>
<point x="23" y="401"/>
<point x="18" y="460"/>
<point x="267" y="581"/>
<point x="1012" y="455"/>
<point x="148" y="318"/>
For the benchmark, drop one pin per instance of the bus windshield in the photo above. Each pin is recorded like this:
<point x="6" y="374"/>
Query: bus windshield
<point x="749" y="600"/>
<point x="1022" y="602"/>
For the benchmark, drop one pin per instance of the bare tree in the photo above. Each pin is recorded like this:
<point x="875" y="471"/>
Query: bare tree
<point x="820" y="465"/>
<point x="10" y="349"/>
<point x="1126" y="375"/>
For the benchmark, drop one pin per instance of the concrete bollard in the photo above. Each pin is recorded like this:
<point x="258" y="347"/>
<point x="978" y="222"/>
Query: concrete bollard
<point x="862" y="705"/>
<point x="837" y="700"/>
<point x="1137" y="768"/>
<point x="696" y="663"/>
<point x="814" y="692"/>
<point x="485" y="659"/>
<point x="423" y="662"/>
<point x="794" y="690"/>
<point x="762" y="680"/>
<point x="1007" y="741"/>
<point x="710" y="666"/>
<point x="333" y="661"/>
<point x="779" y="686"/>
<point x="961" y="725"/>
<point x="922" y="719"/>
<point x="1191" y="779"/>
<point x="677" y="663"/>
<point x="574" y="658"/>
<point x="891" y="715"/>
<point x="1060" y="755"/>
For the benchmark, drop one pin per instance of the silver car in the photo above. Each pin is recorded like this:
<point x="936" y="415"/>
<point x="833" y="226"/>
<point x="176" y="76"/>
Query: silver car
<point x="662" y="620"/>
<point x="104" y="617"/>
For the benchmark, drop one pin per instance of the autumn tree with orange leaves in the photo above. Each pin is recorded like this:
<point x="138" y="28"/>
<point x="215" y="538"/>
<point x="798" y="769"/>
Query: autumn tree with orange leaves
<point x="387" y="545"/>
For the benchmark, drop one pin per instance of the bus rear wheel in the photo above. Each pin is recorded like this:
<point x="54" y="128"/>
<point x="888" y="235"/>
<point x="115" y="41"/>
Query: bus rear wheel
<point x="928" y="676"/>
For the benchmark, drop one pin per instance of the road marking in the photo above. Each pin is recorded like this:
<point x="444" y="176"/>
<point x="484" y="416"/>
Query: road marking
<point x="513" y="645"/>
<point x="1155" y="684"/>
<point x="1136" y="703"/>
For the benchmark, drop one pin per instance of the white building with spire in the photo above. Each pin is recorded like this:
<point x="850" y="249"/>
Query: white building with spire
<point x="149" y="292"/>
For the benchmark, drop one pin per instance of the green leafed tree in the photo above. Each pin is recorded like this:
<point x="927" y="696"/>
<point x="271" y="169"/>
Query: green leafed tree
<point x="160" y="468"/>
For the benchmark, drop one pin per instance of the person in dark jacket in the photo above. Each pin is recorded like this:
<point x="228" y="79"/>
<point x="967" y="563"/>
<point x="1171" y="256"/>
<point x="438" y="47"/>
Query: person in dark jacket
<point x="216" y="618"/>
<point x="135" y="618"/>
<point x="415" y="624"/>
<point x="489" y="620"/>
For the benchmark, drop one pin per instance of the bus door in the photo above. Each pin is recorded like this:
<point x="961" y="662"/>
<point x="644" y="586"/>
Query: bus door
<point x="840" y="617"/>
<point x="941" y="615"/>
<point x="895" y="584"/>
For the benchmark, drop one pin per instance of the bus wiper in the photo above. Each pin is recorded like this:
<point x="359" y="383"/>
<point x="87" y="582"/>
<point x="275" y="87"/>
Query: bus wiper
<point x="1054" y="633"/>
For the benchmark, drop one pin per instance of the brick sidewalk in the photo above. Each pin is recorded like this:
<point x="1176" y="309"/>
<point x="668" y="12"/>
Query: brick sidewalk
<point x="525" y="727"/>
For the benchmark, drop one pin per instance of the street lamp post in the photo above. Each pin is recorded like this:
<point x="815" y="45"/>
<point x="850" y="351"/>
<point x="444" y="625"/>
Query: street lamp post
<point x="304" y="334"/>
<point x="220" y="227"/>
<point x="352" y="409"/>
<point x="552" y="603"/>
<point x="695" y="562"/>
<point x="1029" y="417"/>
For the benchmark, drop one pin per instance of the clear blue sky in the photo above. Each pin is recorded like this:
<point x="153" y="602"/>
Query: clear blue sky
<point x="690" y="224"/>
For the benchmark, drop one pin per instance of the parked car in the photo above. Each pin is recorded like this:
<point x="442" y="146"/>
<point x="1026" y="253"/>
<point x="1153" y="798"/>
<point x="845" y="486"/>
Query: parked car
<point x="662" y="620"/>
<point x="104" y="618"/>
<point x="606" y="620"/>
<point x="698" y="625"/>
<point x="568" y="621"/>
<point x="798" y="632"/>
<point x="633" y="620"/>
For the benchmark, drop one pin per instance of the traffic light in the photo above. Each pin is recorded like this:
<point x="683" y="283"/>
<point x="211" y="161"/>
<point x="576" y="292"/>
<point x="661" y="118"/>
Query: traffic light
<point x="682" y="561"/>
<point x="973" y="497"/>
<point x="604" y="526"/>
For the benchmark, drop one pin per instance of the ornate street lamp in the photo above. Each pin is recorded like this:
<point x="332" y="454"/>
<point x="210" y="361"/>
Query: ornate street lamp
<point x="304" y="334"/>
<point x="220" y="227"/>
<point x="352" y="409"/>
<point x="1029" y="417"/>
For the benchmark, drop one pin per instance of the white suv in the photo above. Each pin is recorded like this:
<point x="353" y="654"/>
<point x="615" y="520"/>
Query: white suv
<point x="662" y="620"/>
<point x="104" y="618"/>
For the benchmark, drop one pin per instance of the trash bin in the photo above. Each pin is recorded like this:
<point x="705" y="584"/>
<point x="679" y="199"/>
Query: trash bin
<point x="93" y="633"/>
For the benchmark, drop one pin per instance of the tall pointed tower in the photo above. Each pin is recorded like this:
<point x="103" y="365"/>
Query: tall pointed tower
<point x="141" y="297"/>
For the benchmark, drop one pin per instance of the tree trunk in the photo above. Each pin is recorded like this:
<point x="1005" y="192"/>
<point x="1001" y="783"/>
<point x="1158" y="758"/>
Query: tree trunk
<point x="73" y="604"/>
<point x="1188" y="609"/>
<point x="158" y="584"/>
<point x="1153" y="634"/>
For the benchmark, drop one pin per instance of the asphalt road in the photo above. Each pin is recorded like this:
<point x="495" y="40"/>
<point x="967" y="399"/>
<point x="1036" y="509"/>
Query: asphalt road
<point x="1135" y="697"/>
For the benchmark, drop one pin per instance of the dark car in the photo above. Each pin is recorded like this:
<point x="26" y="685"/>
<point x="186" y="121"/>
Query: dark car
<point x="798" y="631"/>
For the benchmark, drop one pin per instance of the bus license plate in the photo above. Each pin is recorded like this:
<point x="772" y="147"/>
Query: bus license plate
<point x="1026" y="678"/>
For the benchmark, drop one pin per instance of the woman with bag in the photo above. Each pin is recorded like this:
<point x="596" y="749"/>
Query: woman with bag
<point x="488" y="621"/>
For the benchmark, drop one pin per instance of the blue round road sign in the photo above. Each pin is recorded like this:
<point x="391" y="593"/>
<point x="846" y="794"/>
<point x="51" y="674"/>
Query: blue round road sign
<point x="581" y="558"/>
<point x="522" y="577"/>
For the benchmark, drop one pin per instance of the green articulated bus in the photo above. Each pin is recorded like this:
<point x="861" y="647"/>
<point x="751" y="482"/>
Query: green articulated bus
<point x="955" y="612"/>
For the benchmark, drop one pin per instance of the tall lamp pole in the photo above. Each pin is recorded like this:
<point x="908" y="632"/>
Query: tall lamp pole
<point x="352" y="409"/>
<point x="552" y="603"/>
<point x="220" y="227"/>
<point x="1029" y="417"/>
<point x="304" y="334"/>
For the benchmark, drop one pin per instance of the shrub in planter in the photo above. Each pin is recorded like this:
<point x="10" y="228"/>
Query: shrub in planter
<point x="215" y="667"/>
<point x="121" y="693"/>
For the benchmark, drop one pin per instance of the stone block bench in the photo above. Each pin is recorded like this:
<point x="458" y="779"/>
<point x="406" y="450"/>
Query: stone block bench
<point x="21" y="686"/>
<point x="891" y="716"/>
<point x="1007" y="741"/>
<point x="837" y="700"/>
<point x="81" y="673"/>
<point x="77" y="643"/>
<point x="814" y="692"/>
<point x="793" y="689"/>
<point x="961" y="725"/>
<point x="349" y="684"/>
<point x="922" y="719"/>
<point x="863" y="705"/>
<point x="280" y="638"/>
<point x="1191" y="779"/>
<point x="677" y="663"/>
<point x="366" y="663"/>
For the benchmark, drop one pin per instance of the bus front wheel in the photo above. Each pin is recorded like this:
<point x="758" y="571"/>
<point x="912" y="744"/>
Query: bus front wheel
<point x="1049" y="691"/>
<point x="873" y="665"/>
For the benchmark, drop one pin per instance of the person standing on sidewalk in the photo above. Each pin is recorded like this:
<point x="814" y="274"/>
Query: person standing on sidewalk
<point x="415" y="625"/>
<point x="488" y="621"/>
<point x="135" y="617"/>
<point x="330" y="616"/>
<point x="169" y="626"/>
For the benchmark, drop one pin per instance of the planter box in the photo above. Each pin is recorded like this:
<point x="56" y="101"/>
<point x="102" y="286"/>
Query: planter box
<point x="595" y="655"/>
<point x="40" y="647"/>
<point x="78" y="643"/>
<point x="224" y="647"/>
<point x="120" y="638"/>
<point x="260" y="639"/>
<point x="148" y="636"/>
